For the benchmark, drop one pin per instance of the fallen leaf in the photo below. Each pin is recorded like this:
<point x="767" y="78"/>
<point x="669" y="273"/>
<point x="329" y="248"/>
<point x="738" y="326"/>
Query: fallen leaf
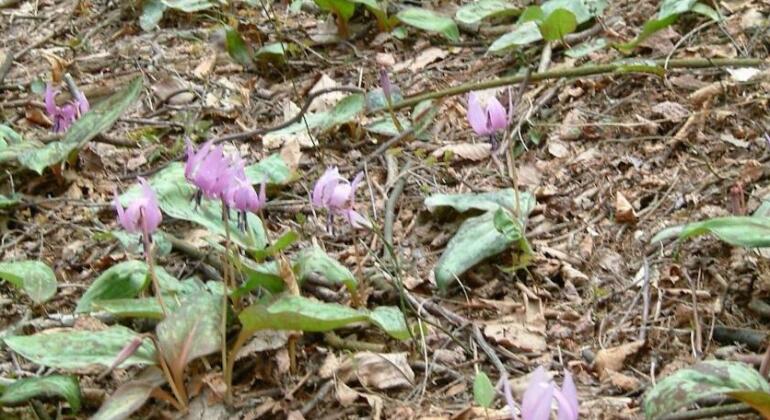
<point x="263" y="340"/>
<point x="170" y="89"/>
<point x="571" y="127"/>
<point x="329" y="367"/>
<point x="468" y="151"/>
<point x="204" y="68"/>
<point x="326" y="101"/>
<point x="624" y="211"/>
<point x="625" y="382"/>
<point x="557" y="148"/>
<point x="671" y="111"/>
<point x="274" y="141"/>
<point x="380" y="370"/>
<point x="425" y="57"/>
<point x="514" y="332"/>
<point x="345" y="394"/>
<point x="615" y="357"/>
<point x="743" y="74"/>
<point x="291" y="153"/>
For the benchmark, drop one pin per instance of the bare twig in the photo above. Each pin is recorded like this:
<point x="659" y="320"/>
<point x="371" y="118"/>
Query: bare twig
<point x="390" y="205"/>
<point x="719" y="411"/>
<point x="645" y="301"/>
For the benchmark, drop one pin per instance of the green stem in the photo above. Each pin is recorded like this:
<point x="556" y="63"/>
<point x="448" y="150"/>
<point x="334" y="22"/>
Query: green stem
<point x="587" y="70"/>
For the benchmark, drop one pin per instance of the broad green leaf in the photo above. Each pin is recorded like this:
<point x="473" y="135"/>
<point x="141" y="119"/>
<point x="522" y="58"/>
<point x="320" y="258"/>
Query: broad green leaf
<point x="180" y="205"/>
<point x="280" y="244"/>
<point x="35" y="278"/>
<point x="758" y="400"/>
<point x="667" y="15"/>
<point x="648" y="30"/>
<point x="132" y="242"/>
<point x="147" y="307"/>
<point x="9" y="201"/>
<point x="532" y="13"/>
<point x="746" y="231"/>
<point x="384" y="126"/>
<point x="314" y="260"/>
<point x="477" y="11"/>
<point x="505" y="224"/>
<point x="237" y="48"/>
<point x="524" y="34"/>
<point x="275" y="51"/>
<point x="704" y="379"/>
<point x="192" y="331"/>
<point x="379" y="12"/>
<point x="125" y="280"/>
<point x="582" y="50"/>
<point x="675" y="7"/>
<point x="265" y="275"/>
<point x="188" y="6"/>
<point x="559" y="23"/>
<point x="430" y="21"/>
<point x="376" y="100"/>
<point x="584" y="10"/>
<point x="8" y="136"/>
<point x="481" y="201"/>
<point x="152" y="13"/>
<point x="95" y="121"/>
<point x="76" y="349"/>
<point x="342" y="8"/>
<point x="26" y="389"/>
<point x="707" y="11"/>
<point x="344" y="112"/>
<point x="130" y="396"/>
<point x="304" y="314"/>
<point x="476" y="240"/>
<point x="483" y="390"/>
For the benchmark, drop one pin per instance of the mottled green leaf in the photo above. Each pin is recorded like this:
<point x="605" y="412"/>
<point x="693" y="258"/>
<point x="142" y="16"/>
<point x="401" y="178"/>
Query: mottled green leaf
<point x="314" y="260"/>
<point x="130" y="396"/>
<point x="265" y="275"/>
<point x="152" y="13"/>
<point x="9" y="201"/>
<point x="523" y="34"/>
<point x="582" y="50"/>
<point x="342" y="8"/>
<point x="704" y="379"/>
<point x="430" y="21"/>
<point x="35" y="278"/>
<point x="9" y="136"/>
<point x="746" y="231"/>
<point x="77" y="349"/>
<point x="483" y="390"/>
<point x="477" y="11"/>
<point x="95" y="121"/>
<point x="132" y="242"/>
<point x="584" y="10"/>
<point x="189" y="6"/>
<point x="280" y="244"/>
<point x="481" y="201"/>
<point x="304" y="314"/>
<point x="192" y="331"/>
<point x="23" y="390"/>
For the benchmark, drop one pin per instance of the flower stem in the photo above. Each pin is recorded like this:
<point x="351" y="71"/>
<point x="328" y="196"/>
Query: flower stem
<point x="151" y="269"/>
<point x="226" y="283"/>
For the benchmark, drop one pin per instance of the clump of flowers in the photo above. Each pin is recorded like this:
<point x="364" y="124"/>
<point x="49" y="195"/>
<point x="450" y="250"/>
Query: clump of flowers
<point x="64" y="116"/>
<point x="540" y="393"/>
<point x="223" y="177"/>
<point x="486" y="119"/>
<point x="337" y="195"/>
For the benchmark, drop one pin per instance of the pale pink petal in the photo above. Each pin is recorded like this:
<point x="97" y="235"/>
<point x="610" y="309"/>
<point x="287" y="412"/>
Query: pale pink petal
<point x="568" y="399"/>
<point x="151" y="215"/>
<point x="50" y="101"/>
<point x="477" y="117"/>
<point x="497" y="119"/>
<point x="536" y="403"/>
<point x="324" y="187"/>
<point x="82" y="103"/>
<point x="339" y="197"/>
<point x="356" y="219"/>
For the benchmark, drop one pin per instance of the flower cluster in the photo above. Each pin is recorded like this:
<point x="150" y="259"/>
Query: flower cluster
<point x="540" y="393"/>
<point x="337" y="195"/>
<point x="223" y="177"/>
<point x="64" y="116"/>
<point x="487" y="118"/>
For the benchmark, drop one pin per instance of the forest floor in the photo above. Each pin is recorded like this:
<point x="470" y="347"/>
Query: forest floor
<point x="611" y="160"/>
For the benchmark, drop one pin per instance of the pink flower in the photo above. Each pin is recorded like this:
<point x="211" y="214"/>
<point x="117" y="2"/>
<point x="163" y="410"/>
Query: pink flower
<point x="208" y="169"/>
<point x="337" y="195"/>
<point x="143" y="214"/>
<point x="488" y="120"/>
<point x="64" y="116"/>
<point x="536" y="403"/>
<point x="240" y="195"/>
<point x="385" y="84"/>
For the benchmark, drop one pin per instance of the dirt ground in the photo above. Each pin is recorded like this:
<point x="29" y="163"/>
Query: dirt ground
<point x="611" y="159"/>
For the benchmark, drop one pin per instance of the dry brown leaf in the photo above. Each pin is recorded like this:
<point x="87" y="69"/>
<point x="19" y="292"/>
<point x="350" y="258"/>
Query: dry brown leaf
<point x="557" y="148"/>
<point x="571" y="127"/>
<point x="295" y="415"/>
<point x="514" y="332"/>
<point x="206" y="66"/>
<point x="469" y="151"/>
<point x="615" y="357"/>
<point x="330" y="366"/>
<point x="263" y="340"/>
<point x="624" y="211"/>
<point x="327" y="101"/>
<point x="291" y="153"/>
<point x="671" y="111"/>
<point x="380" y="370"/>
<point x="165" y="88"/>
<point x="625" y="382"/>
<point x="274" y="141"/>
<point x="424" y="58"/>
<point x="345" y="394"/>
<point x="574" y="275"/>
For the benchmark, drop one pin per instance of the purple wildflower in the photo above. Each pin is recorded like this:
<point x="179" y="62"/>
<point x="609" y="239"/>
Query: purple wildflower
<point x="241" y="195"/>
<point x="486" y="119"/>
<point x="64" y="116"/>
<point x="337" y="195"/>
<point x="536" y="404"/>
<point x="208" y="169"/>
<point x="143" y="214"/>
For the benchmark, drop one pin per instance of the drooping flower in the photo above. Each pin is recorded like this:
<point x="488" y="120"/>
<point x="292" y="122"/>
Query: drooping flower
<point x="241" y="195"/>
<point x="385" y="84"/>
<point x="64" y="116"/>
<point x="208" y="169"/>
<point x="143" y="214"/>
<point x="337" y="195"/>
<point x="488" y="118"/>
<point x="540" y="393"/>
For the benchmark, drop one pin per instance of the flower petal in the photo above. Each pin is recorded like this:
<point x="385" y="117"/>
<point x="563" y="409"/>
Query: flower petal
<point x="536" y="403"/>
<point x="567" y="399"/>
<point x="497" y="118"/>
<point x="476" y="115"/>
